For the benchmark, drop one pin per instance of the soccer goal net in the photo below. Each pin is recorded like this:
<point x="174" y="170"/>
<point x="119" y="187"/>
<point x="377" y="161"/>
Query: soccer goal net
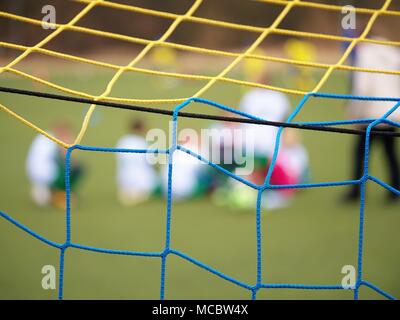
<point x="224" y="75"/>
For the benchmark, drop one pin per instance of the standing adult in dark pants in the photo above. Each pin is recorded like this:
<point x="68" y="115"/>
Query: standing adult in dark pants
<point x="374" y="56"/>
<point x="389" y="145"/>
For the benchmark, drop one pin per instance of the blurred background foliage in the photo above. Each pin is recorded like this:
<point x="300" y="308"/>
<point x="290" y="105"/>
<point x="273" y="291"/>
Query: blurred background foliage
<point x="248" y="12"/>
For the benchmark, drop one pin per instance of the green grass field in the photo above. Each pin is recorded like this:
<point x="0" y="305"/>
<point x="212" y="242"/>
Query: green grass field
<point x="307" y="243"/>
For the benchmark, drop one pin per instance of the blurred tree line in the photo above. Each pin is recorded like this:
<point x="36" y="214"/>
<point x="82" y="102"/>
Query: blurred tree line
<point x="139" y="25"/>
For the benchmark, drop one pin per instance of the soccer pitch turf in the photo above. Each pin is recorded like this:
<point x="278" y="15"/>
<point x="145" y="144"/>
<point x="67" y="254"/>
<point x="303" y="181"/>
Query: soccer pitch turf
<point x="307" y="243"/>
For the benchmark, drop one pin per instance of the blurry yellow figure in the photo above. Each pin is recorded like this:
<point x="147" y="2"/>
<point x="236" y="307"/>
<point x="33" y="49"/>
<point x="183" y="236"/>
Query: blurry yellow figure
<point x="165" y="59"/>
<point x="301" y="51"/>
<point x="254" y="68"/>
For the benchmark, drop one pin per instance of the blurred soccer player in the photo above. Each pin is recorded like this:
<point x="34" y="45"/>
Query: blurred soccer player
<point x="224" y="149"/>
<point x="379" y="85"/>
<point x="41" y="168"/>
<point x="46" y="168"/>
<point x="302" y="78"/>
<point x="267" y="105"/>
<point x="190" y="177"/>
<point x="165" y="59"/>
<point x="291" y="167"/>
<point x="136" y="178"/>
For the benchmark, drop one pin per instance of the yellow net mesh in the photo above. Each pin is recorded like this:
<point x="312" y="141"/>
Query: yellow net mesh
<point x="176" y="19"/>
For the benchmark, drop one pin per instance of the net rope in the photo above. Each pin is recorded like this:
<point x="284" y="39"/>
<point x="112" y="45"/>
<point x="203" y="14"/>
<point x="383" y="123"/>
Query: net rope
<point x="222" y="76"/>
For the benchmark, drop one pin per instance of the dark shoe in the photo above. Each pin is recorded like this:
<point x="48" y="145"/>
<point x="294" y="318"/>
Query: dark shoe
<point x="392" y="198"/>
<point x="350" y="197"/>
